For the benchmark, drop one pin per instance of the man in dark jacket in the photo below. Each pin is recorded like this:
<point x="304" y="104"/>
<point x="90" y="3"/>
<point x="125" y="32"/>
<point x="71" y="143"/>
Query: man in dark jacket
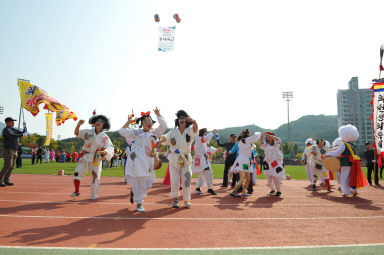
<point x="11" y="140"/>
<point x="39" y="154"/>
<point x="369" y="156"/>
<point x="229" y="160"/>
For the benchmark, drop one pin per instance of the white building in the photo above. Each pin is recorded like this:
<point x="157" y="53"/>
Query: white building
<point x="353" y="107"/>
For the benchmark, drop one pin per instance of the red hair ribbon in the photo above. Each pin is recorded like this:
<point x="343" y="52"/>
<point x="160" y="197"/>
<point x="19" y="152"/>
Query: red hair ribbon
<point x="145" y="113"/>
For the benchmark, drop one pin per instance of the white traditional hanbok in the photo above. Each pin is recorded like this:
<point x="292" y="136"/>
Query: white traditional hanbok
<point x="89" y="159"/>
<point x="243" y="163"/>
<point x="275" y="159"/>
<point x="316" y="163"/>
<point x="201" y="162"/>
<point x="139" y="167"/>
<point x="180" y="160"/>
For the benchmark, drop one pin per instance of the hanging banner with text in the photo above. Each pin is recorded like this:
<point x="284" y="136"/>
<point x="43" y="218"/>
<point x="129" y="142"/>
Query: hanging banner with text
<point x="166" y="38"/>
<point x="48" y="129"/>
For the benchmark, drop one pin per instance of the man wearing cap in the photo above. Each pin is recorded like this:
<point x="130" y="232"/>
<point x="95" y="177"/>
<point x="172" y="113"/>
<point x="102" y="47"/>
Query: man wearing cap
<point x="11" y="141"/>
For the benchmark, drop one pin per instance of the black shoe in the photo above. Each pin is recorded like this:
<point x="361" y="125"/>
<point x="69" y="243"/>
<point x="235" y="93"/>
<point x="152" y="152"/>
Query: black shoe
<point x="212" y="192"/>
<point x="314" y="188"/>
<point x="131" y="198"/>
<point x="376" y="184"/>
<point x="370" y="184"/>
<point x="8" y="183"/>
<point x="272" y="193"/>
<point x="176" y="203"/>
<point x="278" y="194"/>
<point x="2" y="184"/>
<point x="234" y="194"/>
<point x="224" y="186"/>
<point x="75" y="194"/>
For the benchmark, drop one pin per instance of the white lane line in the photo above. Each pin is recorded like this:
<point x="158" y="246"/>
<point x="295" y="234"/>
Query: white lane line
<point x="167" y="192"/>
<point x="194" y="249"/>
<point x="190" y="219"/>
<point x="195" y="204"/>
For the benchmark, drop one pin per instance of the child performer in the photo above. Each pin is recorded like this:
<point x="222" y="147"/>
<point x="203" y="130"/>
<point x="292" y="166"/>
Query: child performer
<point x="97" y="147"/>
<point x="140" y="161"/>
<point x="201" y="162"/>
<point x="351" y="176"/>
<point x="316" y="159"/>
<point x="274" y="169"/>
<point x="243" y="163"/>
<point x="180" y="140"/>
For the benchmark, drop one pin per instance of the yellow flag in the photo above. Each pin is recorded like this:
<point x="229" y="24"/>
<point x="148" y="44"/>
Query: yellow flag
<point x="32" y="96"/>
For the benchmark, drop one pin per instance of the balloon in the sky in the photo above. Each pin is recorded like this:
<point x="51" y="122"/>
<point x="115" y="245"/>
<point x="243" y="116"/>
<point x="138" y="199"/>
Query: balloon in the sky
<point x="157" y="17"/>
<point x="176" y="17"/>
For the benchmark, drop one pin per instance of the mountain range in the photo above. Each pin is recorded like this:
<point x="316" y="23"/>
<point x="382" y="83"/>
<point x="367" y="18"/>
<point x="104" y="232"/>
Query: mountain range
<point x="316" y="126"/>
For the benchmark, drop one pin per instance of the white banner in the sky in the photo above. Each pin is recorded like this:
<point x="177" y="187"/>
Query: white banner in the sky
<point x="166" y="38"/>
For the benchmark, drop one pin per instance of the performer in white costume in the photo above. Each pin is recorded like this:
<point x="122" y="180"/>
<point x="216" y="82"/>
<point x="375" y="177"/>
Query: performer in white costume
<point x="306" y="154"/>
<point x="202" y="163"/>
<point x="140" y="161"/>
<point x="97" y="147"/>
<point x="180" y="140"/>
<point x="273" y="166"/>
<point x="243" y="163"/>
<point x="316" y="159"/>
<point x="349" y="182"/>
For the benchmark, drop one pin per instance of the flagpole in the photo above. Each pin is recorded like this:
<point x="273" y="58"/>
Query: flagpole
<point x="18" y="125"/>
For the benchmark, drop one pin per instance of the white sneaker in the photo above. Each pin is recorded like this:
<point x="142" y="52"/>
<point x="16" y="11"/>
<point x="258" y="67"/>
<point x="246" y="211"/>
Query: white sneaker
<point x="187" y="204"/>
<point x="93" y="197"/>
<point x="199" y="192"/>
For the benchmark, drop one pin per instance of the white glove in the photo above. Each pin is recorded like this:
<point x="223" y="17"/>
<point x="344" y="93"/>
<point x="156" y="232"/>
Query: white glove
<point x="25" y="134"/>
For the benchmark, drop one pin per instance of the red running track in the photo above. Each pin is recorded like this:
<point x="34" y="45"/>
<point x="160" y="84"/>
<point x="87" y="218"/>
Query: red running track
<point x="38" y="211"/>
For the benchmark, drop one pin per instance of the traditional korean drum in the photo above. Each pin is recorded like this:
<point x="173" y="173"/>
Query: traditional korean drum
<point x="332" y="164"/>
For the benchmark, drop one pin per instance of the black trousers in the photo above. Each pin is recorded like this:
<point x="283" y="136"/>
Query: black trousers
<point x="18" y="162"/>
<point x="39" y="158"/>
<point x="227" y="165"/>
<point x="33" y="160"/>
<point x="369" y="174"/>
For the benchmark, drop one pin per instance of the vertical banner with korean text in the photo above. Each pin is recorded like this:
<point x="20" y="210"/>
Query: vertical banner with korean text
<point x="166" y="38"/>
<point x="48" y="129"/>
<point x="378" y="115"/>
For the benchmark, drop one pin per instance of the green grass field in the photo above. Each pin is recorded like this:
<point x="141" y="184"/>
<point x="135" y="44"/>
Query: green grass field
<point x="296" y="172"/>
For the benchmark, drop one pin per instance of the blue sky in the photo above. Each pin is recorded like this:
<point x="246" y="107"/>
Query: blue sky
<point x="231" y="63"/>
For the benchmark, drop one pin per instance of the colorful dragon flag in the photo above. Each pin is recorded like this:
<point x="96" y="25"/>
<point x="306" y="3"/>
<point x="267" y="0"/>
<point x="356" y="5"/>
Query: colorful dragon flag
<point x="48" y="129"/>
<point x="32" y="96"/>
<point x="378" y="114"/>
<point x="166" y="38"/>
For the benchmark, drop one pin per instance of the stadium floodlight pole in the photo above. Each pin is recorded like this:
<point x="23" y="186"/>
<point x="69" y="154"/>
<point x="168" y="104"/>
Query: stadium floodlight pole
<point x="288" y="96"/>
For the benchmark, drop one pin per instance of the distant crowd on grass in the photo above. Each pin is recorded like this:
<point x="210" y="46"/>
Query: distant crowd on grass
<point x="42" y="154"/>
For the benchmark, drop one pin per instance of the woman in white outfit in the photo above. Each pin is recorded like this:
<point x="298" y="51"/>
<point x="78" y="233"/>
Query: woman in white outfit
<point x="201" y="162"/>
<point x="140" y="161"/>
<point x="274" y="159"/>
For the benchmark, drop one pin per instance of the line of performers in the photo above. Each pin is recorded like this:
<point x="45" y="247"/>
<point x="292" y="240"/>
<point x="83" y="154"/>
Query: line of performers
<point x="240" y="163"/>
